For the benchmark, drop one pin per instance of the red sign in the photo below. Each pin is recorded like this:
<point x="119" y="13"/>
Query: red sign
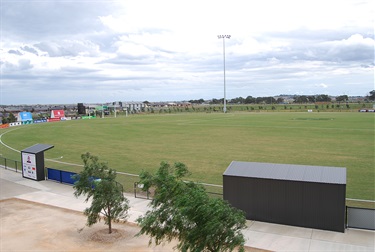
<point x="53" y="119"/>
<point x="57" y="113"/>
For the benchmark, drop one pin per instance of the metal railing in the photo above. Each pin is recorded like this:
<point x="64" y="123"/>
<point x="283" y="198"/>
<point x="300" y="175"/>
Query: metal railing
<point x="130" y="182"/>
<point x="362" y="218"/>
<point x="10" y="164"/>
<point x="215" y="191"/>
<point x="141" y="194"/>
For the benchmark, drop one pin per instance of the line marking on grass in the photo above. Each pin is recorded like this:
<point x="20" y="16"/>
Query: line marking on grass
<point x="13" y="149"/>
<point x="1" y="141"/>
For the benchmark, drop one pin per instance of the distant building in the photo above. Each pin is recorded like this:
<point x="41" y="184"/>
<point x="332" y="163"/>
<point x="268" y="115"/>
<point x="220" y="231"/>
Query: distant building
<point x="170" y="104"/>
<point x="134" y="106"/>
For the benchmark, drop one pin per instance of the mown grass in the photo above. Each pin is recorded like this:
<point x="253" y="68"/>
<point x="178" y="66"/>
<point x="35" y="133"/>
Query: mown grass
<point x="207" y="143"/>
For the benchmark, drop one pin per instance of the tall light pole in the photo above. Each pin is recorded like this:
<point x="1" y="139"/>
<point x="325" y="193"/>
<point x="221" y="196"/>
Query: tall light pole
<point x="225" y="92"/>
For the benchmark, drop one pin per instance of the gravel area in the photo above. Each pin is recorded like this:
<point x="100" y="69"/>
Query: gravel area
<point x="30" y="226"/>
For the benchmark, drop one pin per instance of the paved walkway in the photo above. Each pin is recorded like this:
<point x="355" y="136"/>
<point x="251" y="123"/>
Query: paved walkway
<point x="258" y="234"/>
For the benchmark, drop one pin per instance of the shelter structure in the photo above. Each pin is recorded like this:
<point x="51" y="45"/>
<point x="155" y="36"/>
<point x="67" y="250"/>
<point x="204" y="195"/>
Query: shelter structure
<point x="33" y="161"/>
<point x="297" y="195"/>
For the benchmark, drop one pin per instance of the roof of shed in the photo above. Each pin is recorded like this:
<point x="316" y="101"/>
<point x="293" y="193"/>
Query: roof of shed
<point x="38" y="148"/>
<point x="305" y="173"/>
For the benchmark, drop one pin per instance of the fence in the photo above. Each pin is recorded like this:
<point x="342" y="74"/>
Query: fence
<point x="362" y="218"/>
<point x="139" y="193"/>
<point x="212" y="190"/>
<point x="60" y="176"/>
<point x="10" y="164"/>
<point x="359" y="213"/>
<point x="66" y="177"/>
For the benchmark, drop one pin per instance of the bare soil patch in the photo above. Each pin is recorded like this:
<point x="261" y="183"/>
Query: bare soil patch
<point x="30" y="226"/>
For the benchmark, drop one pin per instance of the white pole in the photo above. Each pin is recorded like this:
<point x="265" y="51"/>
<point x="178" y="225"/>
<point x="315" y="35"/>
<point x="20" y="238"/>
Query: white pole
<point x="225" y="92"/>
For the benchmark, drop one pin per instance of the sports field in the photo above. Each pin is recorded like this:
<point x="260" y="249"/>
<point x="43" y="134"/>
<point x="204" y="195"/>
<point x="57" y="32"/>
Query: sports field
<point x="208" y="142"/>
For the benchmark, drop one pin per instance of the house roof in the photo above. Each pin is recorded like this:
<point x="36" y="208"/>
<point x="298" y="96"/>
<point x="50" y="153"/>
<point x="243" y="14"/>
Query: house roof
<point x="305" y="173"/>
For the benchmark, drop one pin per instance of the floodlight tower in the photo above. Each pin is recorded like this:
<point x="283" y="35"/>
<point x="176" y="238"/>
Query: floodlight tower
<point x="225" y="92"/>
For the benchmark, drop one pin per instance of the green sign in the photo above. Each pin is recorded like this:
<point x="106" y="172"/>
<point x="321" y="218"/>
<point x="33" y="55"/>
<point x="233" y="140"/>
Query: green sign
<point x="100" y="108"/>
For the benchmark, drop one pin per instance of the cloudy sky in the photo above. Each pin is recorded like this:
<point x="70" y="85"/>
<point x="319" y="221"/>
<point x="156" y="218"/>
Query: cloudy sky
<point x="69" y="51"/>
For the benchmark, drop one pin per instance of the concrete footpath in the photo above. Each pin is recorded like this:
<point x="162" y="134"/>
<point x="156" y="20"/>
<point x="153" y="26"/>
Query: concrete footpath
<point x="261" y="235"/>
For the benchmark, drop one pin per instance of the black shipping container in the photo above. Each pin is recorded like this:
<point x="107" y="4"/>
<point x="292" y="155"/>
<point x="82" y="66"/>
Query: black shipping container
<point x="298" y="195"/>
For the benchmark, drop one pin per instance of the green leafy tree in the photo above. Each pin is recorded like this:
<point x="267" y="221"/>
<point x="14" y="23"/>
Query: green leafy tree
<point x="250" y="99"/>
<point x="342" y="98"/>
<point x="98" y="182"/>
<point x="238" y="100"/>
<point x="311" y="98"/>
<point x="322" y="98"/>
<point x="371" y="95"/>
<point x="183" y="211"/>
<point x="11" y="118"/>
<point x="301" y="99"/>
<point x="280" y="100"/>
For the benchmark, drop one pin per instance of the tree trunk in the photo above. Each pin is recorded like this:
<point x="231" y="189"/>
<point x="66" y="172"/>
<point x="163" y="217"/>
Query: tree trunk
<point x="109" y="221"/>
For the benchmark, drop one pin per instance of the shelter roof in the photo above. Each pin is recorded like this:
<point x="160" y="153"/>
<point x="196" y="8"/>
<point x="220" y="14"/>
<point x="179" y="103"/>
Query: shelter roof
<point x="305" y="173"/>
<point x="37" y="148"/>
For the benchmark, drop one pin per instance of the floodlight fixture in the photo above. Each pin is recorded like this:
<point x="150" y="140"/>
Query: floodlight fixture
<point x="223" y="36"/>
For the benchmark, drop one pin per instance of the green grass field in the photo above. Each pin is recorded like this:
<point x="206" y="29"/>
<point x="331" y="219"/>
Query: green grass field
<point x="207" y="143"/>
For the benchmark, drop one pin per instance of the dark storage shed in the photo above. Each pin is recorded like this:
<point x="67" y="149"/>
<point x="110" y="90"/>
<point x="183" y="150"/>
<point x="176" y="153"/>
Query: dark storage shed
<point x="298" y="195"/>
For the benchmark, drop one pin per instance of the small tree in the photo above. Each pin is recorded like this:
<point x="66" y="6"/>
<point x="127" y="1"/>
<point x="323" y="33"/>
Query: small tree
<point x="371" y="95"/>
<point x="11" y="118"/>
<point x="183" y="211"/>
<point x="98" y="182"/>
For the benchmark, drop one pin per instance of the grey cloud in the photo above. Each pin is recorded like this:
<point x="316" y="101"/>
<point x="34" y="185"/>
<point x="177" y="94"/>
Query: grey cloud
<point x="23" y="64"/>
<point x="335" y="51"/>
<point x="53" y="18"/>
<point x="70" y="78"/>
<point x="53" y="21"/>
<point x="68" y="48"/>
<point x="317" y="36"/>
<point x="73" y="28"/>
<point x="310" y="43"/>
<point x="344" y="51"/>
<point x="371" y="65"/>
<point x="104" y="41"/>
<point x="79" y="70"/>
<point x="52" y="49"/>
<point x="16" y="52"/>
<point x="29" y="49"/>
<point x="351" y="49"/>
<point x="129" y="60"/>
<point x="207" y="65"/>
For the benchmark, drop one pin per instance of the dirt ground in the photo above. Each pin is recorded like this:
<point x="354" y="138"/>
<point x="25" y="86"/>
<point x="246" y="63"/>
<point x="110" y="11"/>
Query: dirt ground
<point x="29" y="226"/>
